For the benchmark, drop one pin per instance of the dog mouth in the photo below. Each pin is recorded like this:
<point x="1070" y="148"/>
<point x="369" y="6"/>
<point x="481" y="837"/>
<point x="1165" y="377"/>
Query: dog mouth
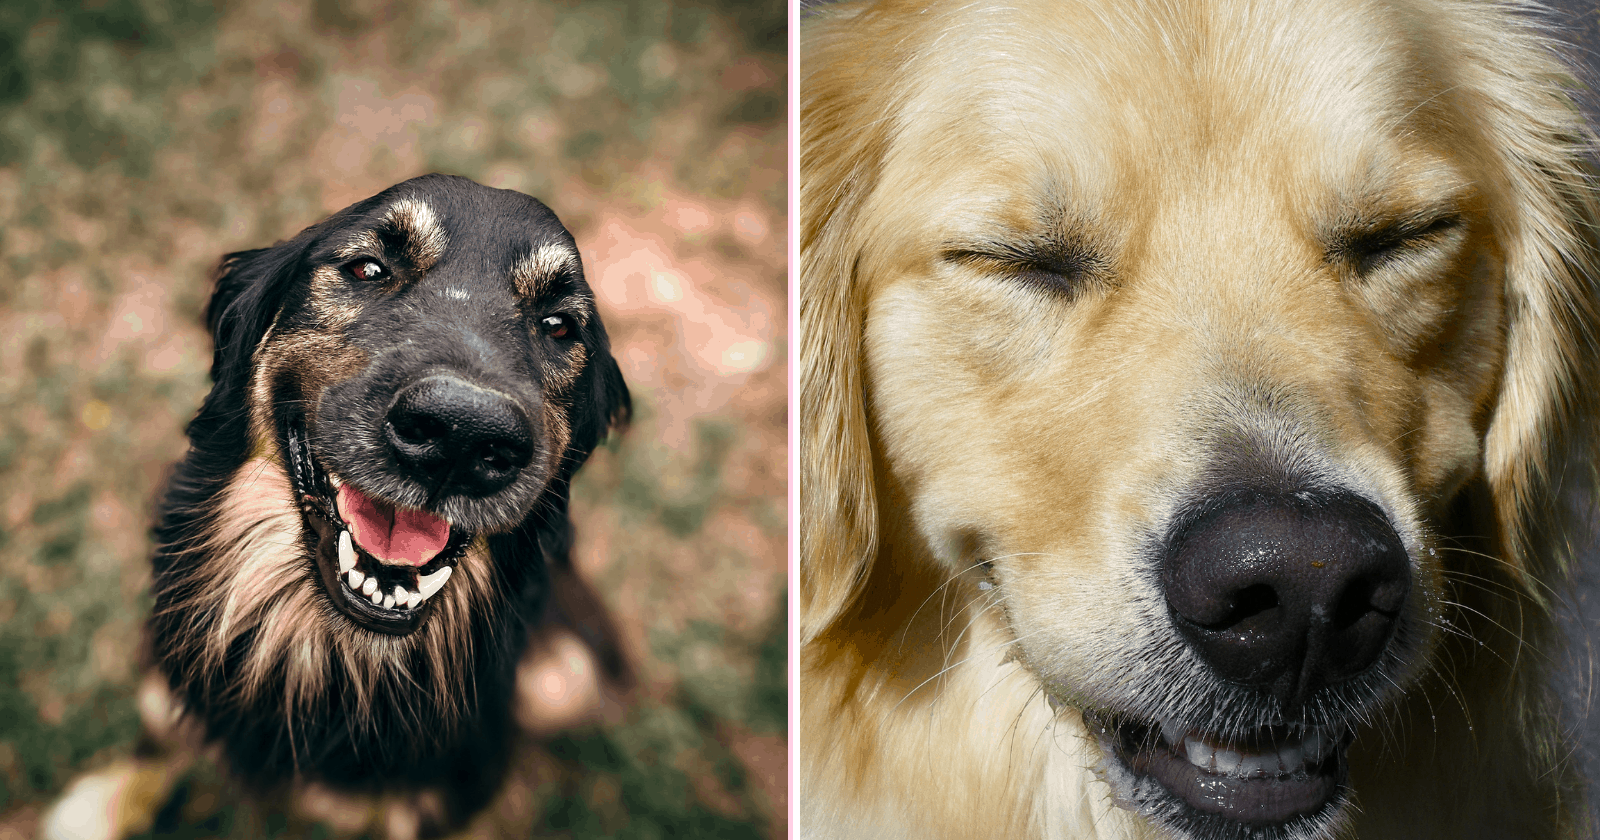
<point x="1272" y="782"/>
<point x="380" y="565"/>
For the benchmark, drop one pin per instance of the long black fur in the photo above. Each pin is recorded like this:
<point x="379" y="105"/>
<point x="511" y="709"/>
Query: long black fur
<point x="403" y="741"/>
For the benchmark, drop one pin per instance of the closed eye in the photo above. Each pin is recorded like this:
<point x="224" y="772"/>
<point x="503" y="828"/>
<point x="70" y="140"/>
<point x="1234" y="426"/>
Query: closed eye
<point x="1380" y="246"/>
<point x="1049" y="267"/>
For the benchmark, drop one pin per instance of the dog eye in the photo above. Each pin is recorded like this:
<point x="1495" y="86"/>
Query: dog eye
<point x="1062" y="271"/>
<point x="558" y="326"/>
<point x="366" y="270"/>
<point x="1375" y="249"/>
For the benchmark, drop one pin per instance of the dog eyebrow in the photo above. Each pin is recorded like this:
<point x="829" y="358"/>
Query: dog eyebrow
<point x="414" y="221"/>
<point x="410" y="221"/>
<point x="533" y="272"/>
<point x="361" y="242"/>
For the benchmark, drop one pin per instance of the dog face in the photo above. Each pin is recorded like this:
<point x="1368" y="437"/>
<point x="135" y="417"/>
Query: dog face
<point x="1181" y="331"/>
<point x="403" y="392"/>
<point x="437" y="362"/>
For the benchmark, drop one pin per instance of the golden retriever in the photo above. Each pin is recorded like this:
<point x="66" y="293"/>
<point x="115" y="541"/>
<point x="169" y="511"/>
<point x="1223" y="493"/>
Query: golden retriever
<point x="1190" y="397"/>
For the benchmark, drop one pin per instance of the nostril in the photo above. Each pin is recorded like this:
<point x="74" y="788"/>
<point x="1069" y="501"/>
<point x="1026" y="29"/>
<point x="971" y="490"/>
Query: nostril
<point x="1246" y="604"/>
<point x="419" y="429"/>
<point x="1363" y="596"/>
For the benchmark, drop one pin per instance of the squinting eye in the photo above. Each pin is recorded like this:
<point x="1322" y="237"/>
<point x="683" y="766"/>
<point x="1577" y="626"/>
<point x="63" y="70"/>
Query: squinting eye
<point x="557" y="326"/>
<point x="365" y="270"/>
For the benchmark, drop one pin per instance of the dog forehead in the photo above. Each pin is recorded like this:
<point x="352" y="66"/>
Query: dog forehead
<point x="1135" y="102"/>
<point x="483" y="219"/>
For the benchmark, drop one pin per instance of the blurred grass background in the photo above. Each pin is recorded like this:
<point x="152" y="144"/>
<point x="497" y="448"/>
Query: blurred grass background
<point x="142" y="139"/>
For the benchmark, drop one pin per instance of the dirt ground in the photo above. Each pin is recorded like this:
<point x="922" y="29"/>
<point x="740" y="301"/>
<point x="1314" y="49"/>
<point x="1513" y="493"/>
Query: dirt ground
<point x="142" y="139"/>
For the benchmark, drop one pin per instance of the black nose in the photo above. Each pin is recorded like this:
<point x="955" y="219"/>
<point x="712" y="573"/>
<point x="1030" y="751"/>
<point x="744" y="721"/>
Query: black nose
<point x="451" y="434"/>
<point x="1287" y="595"/>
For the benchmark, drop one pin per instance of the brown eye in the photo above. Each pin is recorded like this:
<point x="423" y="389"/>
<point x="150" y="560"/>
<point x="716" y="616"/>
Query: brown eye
<point x="558" y="326"/>
<point x="366" y="270"/>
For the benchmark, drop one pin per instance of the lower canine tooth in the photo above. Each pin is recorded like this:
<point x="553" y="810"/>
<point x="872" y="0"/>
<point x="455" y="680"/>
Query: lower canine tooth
<point x="347" y="553"/>
<point x="429" y="584"/>
<point x="356" y="578"/>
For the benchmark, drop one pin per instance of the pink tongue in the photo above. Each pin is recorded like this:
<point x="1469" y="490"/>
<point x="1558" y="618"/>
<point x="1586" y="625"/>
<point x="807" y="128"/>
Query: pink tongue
<point x="391" y="534"/>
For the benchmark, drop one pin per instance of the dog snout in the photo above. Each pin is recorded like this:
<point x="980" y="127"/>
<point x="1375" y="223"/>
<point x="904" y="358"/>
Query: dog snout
<point x="1287" y="596"/>
<point x="450" y="434"/>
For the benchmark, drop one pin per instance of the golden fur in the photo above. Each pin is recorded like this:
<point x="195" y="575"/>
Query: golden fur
<point x="985" y="445"/>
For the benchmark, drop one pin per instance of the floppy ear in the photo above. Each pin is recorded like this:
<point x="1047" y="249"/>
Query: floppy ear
<point x="609" y="406"/>
<point x="249" y="286"/>
<point x="842" y="142"/>
<point x="1539" y="451"/>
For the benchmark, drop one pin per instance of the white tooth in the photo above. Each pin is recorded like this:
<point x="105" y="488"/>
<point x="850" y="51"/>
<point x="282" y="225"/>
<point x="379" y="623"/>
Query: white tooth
<point x="1200" y="753"/>
<point x="376" y="598"/>
<point x="347" y="553"/>
<point x="355" y="577"/>
<point x="429" y="584"/>
<point x="1290" y="758"/>
<point x="370" y="586"/>
<point x="416" y="600"/>
<point x="1252" y="765"/>
<point x="1228" y="760"/>
<point x="402" y="596"/>
<point x="1172" y="731"/>
<point x="336" y="481"/>
<point x="388" y="601"/>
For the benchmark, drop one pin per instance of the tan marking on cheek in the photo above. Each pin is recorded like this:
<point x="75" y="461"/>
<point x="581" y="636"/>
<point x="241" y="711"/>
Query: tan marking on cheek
<point x="416" y="222"/>
<point x="554" y="417"/>
<point x="559" y="374"/>
<point x="335" y="311"/>
<point x="531" y="273"/>
<point x="313" y="361"/>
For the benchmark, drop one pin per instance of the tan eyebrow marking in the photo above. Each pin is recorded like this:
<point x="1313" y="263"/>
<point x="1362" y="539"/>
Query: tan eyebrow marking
<point x="531" y="273"/>
<point x="414" y="220"/>
<point x="361" y="243"/>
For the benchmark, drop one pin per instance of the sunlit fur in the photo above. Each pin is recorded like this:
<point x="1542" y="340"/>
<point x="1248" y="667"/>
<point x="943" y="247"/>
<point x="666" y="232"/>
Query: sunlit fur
<point x="1208" y="171"/>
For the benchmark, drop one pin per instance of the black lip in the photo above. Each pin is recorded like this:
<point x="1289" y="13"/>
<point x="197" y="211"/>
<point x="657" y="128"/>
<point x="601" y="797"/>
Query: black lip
<point x="322" y="527"/>
<point x="1203" y="804"/>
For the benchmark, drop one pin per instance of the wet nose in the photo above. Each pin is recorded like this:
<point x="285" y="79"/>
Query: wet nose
<point x="451" y="434"/>
<point x="1288" y="595"/>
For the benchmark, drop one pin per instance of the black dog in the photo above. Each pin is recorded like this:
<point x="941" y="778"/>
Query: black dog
<point x="352" y="555"/>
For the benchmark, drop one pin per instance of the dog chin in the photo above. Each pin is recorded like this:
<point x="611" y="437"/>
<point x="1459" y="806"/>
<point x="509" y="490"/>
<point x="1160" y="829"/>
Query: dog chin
<point x="1275" y="783"/>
